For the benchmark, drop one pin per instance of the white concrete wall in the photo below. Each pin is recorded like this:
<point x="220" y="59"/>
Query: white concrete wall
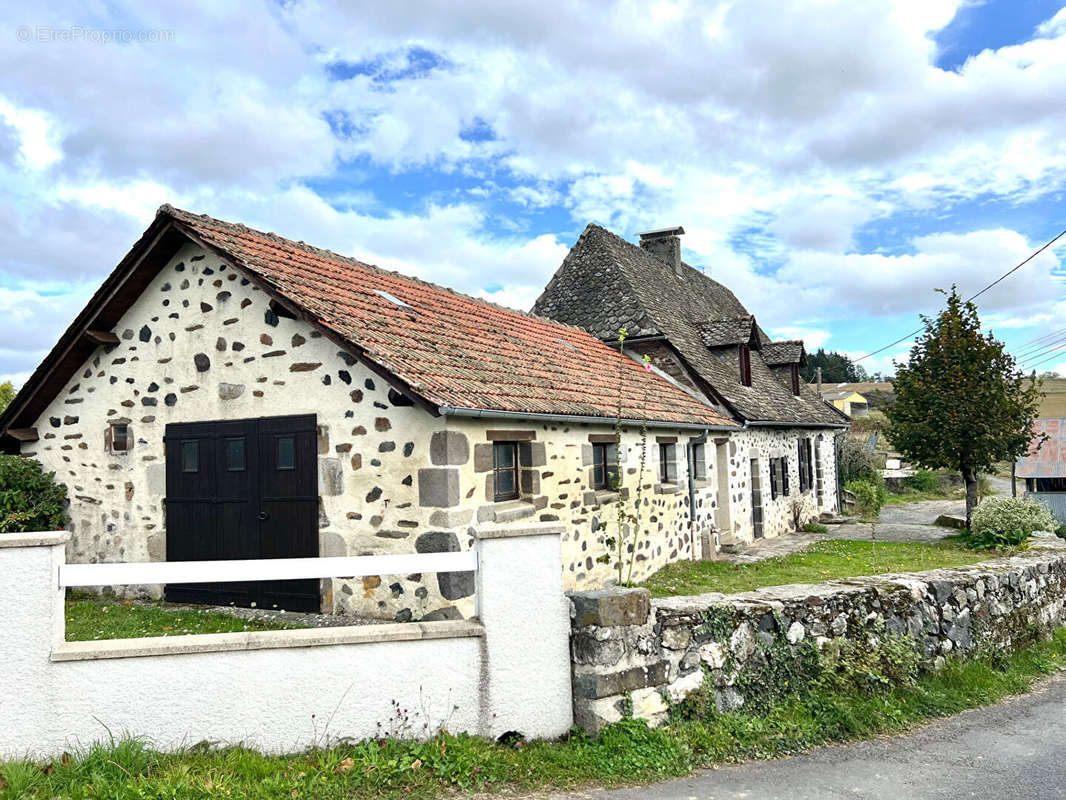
<point x="283" y="691"/>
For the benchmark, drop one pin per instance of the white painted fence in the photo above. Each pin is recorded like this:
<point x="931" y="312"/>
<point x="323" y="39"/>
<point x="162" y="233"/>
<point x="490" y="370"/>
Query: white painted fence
<point x="263" y="569"/>
<point x="506" y="670"/>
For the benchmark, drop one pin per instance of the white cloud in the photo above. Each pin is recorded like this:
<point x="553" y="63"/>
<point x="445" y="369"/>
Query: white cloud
<point x="812" y="338"/>
<point x="782" y="121"/>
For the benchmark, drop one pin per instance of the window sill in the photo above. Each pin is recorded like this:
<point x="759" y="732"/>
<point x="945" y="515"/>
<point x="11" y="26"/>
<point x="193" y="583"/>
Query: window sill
<point x="667" y="488"/>
<point x="605" y="497"/>
<point x="510" y="510"/>
<point x="701" y="483"/>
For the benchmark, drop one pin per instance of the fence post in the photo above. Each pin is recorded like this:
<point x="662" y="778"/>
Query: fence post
<point x="31" y="624"/>
<point x="525" y="682"/>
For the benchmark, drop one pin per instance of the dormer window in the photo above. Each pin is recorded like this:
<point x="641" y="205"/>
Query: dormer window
<point x="744" y="356"/>
<point x="795" y="372"/>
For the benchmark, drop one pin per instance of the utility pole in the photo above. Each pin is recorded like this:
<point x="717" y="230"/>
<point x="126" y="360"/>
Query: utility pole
<point x="819" y="374"/>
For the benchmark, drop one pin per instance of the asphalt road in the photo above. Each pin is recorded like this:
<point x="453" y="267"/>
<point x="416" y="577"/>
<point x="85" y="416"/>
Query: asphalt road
<point x="1016" y="749"/>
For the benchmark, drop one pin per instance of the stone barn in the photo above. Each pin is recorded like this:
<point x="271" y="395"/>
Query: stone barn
<point x="229" y="394"/>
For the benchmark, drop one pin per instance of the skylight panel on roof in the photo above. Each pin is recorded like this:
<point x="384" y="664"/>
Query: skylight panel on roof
<point x="396" y="301"/>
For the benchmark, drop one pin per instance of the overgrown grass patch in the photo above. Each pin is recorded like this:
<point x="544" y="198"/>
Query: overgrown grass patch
<point x="821" y="561"/>
<point x="90" y="618"/>
<point x="822" y="716"/>
<point x="626" y="752"/>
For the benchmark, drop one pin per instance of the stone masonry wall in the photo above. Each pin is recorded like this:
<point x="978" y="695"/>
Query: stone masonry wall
<point x="627" y="648"/>
<point x="202" y="343"/>
<point x="767" y="443"/>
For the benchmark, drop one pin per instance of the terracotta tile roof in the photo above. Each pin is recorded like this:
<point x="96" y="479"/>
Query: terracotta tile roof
<point x="451" y="349"/>
<point x="1049" y="461"/>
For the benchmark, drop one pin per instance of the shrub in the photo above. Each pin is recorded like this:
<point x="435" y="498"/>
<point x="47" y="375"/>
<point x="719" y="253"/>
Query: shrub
<point x="869" y="497"/>
<point x="874" y="422"/>
<point x="859" y="464"/>
<point x="924" y="480"/>
<point x="30" y="499"/>
<point x="815" y="527"/>
<point x="1007" y="522"/>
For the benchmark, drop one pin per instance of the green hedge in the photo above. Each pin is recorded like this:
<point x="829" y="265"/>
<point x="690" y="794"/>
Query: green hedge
<point x="30" y="498"/>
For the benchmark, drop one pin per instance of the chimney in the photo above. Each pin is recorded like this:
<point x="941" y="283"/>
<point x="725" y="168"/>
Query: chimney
<point x="664" y="243"/>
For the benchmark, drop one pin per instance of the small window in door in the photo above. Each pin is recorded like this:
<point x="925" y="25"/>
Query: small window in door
<point x="190" y="456"/>
<point x="286" y="452"/>
<point x="235" y="454"/>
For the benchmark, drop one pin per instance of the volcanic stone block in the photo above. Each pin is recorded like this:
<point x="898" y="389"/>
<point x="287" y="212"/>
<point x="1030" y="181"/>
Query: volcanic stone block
<point x="230" y="391"/>
<point x="452" y="585"/>
<point x="333" y="545"/>
<point x="449" y="448"/>
<point x="438" y="487"/>
<point x="482" y="457"/>
<point x="330" y="476"/>
<point x="608" y="607"/>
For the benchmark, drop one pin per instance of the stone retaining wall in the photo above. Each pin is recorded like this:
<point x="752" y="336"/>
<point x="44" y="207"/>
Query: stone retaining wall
<point x="628" y="649"/>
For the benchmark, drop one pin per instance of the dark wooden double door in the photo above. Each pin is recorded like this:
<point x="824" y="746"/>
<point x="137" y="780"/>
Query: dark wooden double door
<point x="238" y="490"/>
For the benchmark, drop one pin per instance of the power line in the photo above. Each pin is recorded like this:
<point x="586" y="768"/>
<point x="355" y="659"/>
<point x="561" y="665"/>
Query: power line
<point x="1042" y="351"/>
<point x="1052" y="357"/>
<point x="1025" y="345"/>
<point x="1040" y="342"/>
<point x="1005" y="275"/>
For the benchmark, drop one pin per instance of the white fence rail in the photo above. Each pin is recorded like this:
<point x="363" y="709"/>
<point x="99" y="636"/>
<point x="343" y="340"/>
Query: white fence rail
<point x="263" y="569"/>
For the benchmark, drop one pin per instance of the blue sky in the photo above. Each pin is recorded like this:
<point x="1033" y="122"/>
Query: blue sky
<point x="832" y="165"/>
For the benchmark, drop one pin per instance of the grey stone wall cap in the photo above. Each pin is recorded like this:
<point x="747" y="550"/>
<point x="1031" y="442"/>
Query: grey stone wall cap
<point x="266" y="640"/>
<point x="514" y="531"/>
<point x="793" y="592"/>
<point x="34" y="538"/>
<point x="609" y="591"/>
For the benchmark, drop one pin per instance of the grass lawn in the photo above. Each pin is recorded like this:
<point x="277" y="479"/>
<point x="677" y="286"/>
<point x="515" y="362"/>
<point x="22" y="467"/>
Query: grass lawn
<point x="108" y="618"/>
<point x="821" y="561"/>
<point x="626" y="752"/>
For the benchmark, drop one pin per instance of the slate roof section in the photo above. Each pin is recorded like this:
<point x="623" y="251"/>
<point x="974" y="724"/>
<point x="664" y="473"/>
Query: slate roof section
<point x="725" y="332"/>
<point x="784" y="352"/>
<point x="452" y="349"/>
<point x="1049" y="461"/>
<point x="606" y="282"/>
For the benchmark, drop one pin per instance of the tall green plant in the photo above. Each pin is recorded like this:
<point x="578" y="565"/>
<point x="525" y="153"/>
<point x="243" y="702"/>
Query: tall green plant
<point x="627" y="523"/>
<point x="961" y="401"/>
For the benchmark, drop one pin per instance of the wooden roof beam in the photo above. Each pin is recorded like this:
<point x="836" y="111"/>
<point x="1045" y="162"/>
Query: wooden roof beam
<point x="23" y="434"/>
<point x="102" y="337"/>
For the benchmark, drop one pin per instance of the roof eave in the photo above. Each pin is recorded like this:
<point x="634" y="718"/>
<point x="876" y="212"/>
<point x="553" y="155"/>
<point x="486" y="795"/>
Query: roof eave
<point x="491" y="413"/>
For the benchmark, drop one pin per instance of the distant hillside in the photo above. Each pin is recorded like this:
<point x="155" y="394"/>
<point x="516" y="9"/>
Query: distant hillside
<point x="1054" y="402"/>
<point x="877" y="393"/>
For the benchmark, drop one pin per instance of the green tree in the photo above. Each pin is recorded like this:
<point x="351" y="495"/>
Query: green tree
<point x="836" y="368"/>
<point x="961" y="401"/>
<point x="7" y="394"/>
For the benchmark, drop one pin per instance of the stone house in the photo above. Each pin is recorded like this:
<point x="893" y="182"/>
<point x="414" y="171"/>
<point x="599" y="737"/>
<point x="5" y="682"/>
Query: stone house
<point x="228" y="393"/>
<point x="780" y="467"/>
